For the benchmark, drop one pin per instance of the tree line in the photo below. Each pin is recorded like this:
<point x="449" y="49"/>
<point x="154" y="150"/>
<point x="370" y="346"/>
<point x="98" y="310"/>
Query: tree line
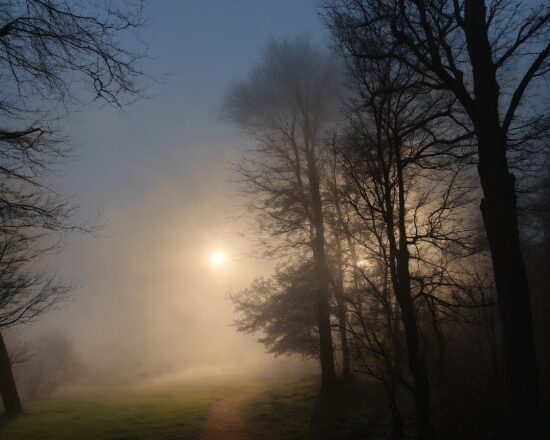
<point x="400" y="179"/>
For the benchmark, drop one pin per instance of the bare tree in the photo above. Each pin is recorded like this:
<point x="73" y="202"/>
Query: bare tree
<point x="46" y="47"/>
<point x="487" y="55"/>
<point x="286" y="105"/>
<point x="31" y="218"/>
<point x="399" y="142"/>
<point x="342" y="253"/>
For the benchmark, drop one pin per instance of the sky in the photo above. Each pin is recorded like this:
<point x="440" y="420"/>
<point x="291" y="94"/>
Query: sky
<point x="156" y="174"/>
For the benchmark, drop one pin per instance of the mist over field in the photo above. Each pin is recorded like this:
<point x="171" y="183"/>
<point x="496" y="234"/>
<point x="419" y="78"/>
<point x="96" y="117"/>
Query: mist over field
<point x="156" y="176"/>
<point x="151" y="306"/>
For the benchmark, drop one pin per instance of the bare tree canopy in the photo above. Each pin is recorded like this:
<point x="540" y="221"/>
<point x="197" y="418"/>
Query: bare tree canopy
<point x="488" y="56"/>
<point x="47" y="49"/>
<point x="289" y="104"/>
<point x="47" y="46"/>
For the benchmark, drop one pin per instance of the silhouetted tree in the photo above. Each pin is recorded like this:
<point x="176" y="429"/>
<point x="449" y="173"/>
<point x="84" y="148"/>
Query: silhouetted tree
<point x="342" y="254"/>
<point x="487" y="55"/>
<point x="46" y="47"/>
<point x="286" y="105"/>
<point x="31" y="215"/>
<point x="535" y="228"/>
<point x="400" y="161"/>
<point x="279" y="311"/>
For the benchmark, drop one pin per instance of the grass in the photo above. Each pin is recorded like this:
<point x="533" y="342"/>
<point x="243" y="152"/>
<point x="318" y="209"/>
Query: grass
<point x="301" y="411"/>
<point x="121" y="415"/>
<point x="298" y="411"/>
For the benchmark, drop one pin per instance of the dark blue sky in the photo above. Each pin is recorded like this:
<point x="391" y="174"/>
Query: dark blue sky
<point x="203" y="46"/>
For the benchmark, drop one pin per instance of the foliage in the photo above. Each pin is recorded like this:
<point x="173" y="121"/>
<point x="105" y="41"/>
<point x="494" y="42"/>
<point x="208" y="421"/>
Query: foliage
<point x="282" y="311"/>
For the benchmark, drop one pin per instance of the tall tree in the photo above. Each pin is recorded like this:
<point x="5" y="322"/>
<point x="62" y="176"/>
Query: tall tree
<point x="286" y="105"/>
<point x="46" y="47"/>
<point x="30" y="217"/>
<point x="8" y="388"/>
<point x="487" y="55"/>
<point x="399" y="130"/>
<point x="343" y="251"/>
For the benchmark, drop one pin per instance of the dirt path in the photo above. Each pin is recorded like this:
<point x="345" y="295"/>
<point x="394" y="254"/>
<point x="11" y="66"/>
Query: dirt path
<point x="225" y="420"/>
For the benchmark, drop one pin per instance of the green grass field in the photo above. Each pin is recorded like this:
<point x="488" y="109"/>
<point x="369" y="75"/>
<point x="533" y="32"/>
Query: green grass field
<point x="300" y="411"/>
<point x="296" y="411"/>
<point x="122" y="415"/>
<point x="276" y="411"/>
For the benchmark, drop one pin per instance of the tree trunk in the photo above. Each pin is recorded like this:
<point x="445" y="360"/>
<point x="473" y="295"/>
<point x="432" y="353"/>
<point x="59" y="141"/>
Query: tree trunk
<point x="416" y="361"/>
<point x="401" y="279"/>
<point x="341" y="309"/>
<point x="499" y="210"/>
<point x="345" y="230"/>
<point x="342" y="318"/>
<point x="8" y="389"/>
<point x="346" y="358"/>
<point x="397" y="421"/>
<point x="326" y="351"/>
<point x="401" y="282"/>
<point x="521" y="372"/>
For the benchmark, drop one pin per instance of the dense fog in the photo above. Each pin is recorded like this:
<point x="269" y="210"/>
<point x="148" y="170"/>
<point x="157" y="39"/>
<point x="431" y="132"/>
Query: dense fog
<point x="154" y="178"/>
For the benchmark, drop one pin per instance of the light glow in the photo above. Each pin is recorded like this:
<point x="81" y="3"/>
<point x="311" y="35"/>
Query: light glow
<point x="364" y="263"/>
<point x="218" y="258"/>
